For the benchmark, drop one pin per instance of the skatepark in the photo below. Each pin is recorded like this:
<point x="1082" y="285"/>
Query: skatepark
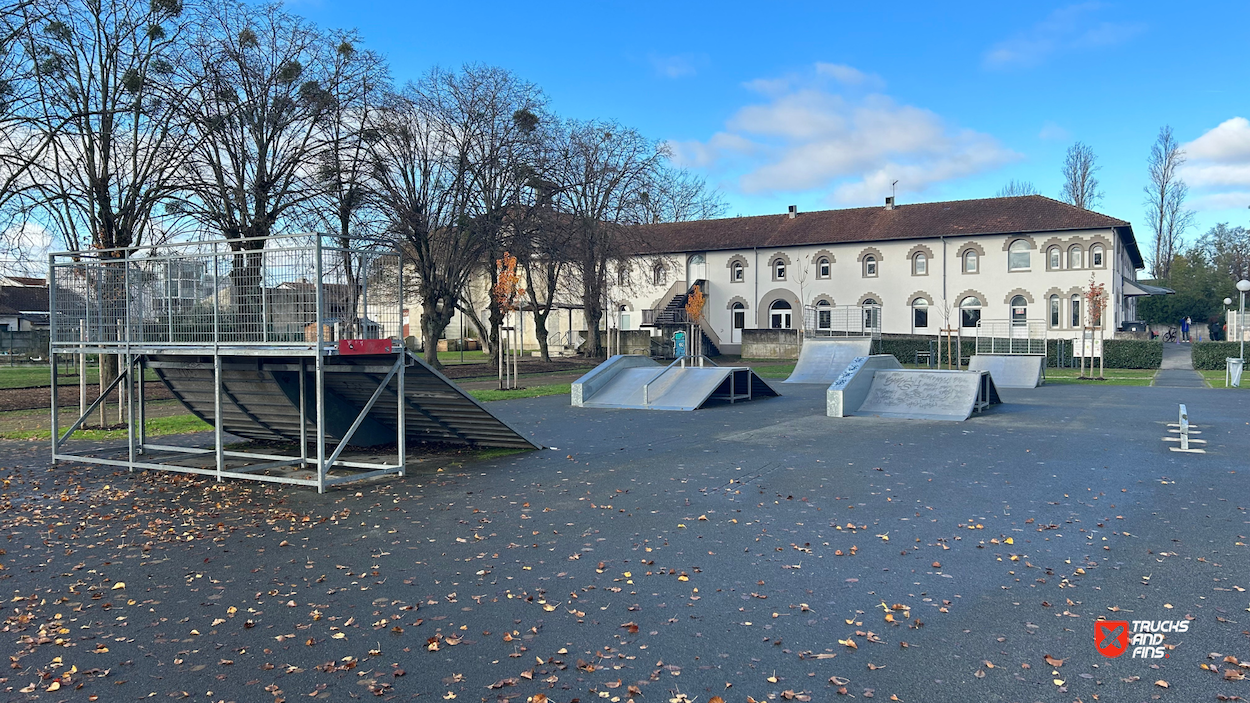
<point x="907" y="534"/>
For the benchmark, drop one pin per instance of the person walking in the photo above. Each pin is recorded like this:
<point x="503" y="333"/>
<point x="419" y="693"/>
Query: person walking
<point x="1185" y="329"/>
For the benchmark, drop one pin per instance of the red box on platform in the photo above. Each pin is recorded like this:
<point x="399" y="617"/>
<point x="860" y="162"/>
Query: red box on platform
<point x="365" y="346"/>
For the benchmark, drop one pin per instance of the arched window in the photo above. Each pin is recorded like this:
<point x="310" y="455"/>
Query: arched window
<point x="779" y="315"/>
<point x="1053" y="256"/>
<point x="919" y="313"/>
<point x="970" y="261"/>
<point x="870" y="266"/>
<point x="737" y="272"/>
<point x="622" y="276"/>
<point x="920" y="264"/>
<point x="824" y="315"/>
<point x="740" y="315"/>
<point x="1019" y="310"/>
<point x="1076" y="311"/>
<point x="823" y="268"/>
<point x="779" y="269"/>
<point x="872" y="313"/>
<point x="1018" y="255"/>
<point x="1095" y="256"/>
<point x="658" y="275"/>
<point x="969" y="311"/>
<point x="1054" y="311"/>
<point x="1075" y="258"/>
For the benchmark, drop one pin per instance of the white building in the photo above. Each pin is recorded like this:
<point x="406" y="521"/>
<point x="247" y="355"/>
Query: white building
<point x="927" y="265"/>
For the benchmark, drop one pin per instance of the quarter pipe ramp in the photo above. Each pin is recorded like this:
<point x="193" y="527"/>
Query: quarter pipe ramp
<point x="823" y="360"/>
<point x="637" y="382"/>
<point x="1011" y="370"/>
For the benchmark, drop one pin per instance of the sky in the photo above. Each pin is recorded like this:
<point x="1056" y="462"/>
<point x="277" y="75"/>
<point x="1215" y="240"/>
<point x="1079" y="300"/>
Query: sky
<point x="824" y="105"/>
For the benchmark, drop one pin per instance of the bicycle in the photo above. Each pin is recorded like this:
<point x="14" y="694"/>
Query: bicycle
<point x="1170" y="335"/>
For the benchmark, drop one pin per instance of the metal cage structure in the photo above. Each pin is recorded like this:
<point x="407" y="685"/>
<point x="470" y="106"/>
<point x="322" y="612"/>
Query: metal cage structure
<point x="1011" y="337"/>
<point x="291" y="339"/>
<point x="842" y="321"/>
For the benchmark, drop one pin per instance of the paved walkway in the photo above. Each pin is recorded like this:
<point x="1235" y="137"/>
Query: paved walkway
<point x="1177" y="370"/>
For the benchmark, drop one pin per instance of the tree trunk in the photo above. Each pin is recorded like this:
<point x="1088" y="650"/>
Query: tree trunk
<point x="540" y="332"/>
<point x="433" y="322"/>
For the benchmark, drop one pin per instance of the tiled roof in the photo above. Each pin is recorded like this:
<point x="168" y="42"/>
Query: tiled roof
<point x="957" y="218"/>
<point x="23" y="299"/>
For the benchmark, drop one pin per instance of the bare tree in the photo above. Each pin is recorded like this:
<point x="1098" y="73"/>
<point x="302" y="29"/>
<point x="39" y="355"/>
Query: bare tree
<point x="549" y="253"/>
<point x="426" y="158"/>
<point x="109" y="99"/>
<point x="344" y="206"/>
<point x="23" y="138"/>
<point x="269" y="87"/>
<point x="1165" y="201"/>
<point x="1080" y="187"/>
<point x="605" y="170"/>
<point x="678" y="195"/>
<point x="1015" y="188"/>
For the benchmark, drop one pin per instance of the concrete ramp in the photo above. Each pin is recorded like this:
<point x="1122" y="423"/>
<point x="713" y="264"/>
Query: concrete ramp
<point x="929" y="394"/>
<point x="823" y="360"/>
<point x="1011" y="370"/>
<point x="637" y="382"/>
<point x="261" y="400"/>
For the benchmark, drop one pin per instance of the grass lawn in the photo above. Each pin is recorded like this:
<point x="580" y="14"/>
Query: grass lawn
<point x="470" y="357"/>
<point x="176" y="424"/>
<point x="1114" y="377"/>
<point x="1215" y="379"/>
<point x="487" y="395"/>
<point x="780" y="370"/>
<point x="41" y="376"/>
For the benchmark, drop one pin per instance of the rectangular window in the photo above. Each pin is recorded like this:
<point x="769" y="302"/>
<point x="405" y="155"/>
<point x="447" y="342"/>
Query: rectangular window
<point x="970" y="262"/>
<point x="780" y="271"/>
<point x="740" y="319"/>
<point x="969" y="317"/>
<point x="1076" y="312"/>
<point x="922" y="317"/>
<point x="872" y="268"/>
<point x="738" y="273"/>
<point x="824" y="269"/>
<point x="1054" y="312"/>
<point x="824" y="319"/>
<point x="922" y="266"/>
<point x="1098" y="257"/>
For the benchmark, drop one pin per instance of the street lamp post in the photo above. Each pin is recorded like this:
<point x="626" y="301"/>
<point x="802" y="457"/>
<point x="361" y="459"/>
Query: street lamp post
<point x="1243" y="285"/>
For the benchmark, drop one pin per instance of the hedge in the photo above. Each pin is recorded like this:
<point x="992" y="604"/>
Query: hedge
<point x="1117" y="353"/>
<point x="1132" y="354"/>
<point x="1210" y="356"/>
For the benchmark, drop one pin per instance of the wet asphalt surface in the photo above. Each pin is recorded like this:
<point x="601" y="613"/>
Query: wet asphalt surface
<point x="734" y="551"/>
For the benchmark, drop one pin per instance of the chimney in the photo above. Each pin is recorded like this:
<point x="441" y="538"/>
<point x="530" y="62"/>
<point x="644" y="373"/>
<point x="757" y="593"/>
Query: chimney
<point x="889" y="202"/>
<point x="794" y="211"/>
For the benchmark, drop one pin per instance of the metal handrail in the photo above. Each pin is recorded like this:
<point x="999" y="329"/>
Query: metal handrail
<point x="646" y="388"/>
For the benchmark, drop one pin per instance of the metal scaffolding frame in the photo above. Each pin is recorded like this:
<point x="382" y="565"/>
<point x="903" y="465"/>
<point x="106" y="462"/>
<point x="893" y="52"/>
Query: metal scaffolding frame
<point x="309" y="299"/>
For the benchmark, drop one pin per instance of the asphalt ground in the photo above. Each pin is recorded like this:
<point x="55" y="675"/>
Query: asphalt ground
<point x="733" y="551"/>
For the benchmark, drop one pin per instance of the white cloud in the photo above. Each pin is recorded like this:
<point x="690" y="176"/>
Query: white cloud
<point x="1053" y="132"/>
<point x="849" y="75"/>
<point x="677" y="66"/>
<point x="811" y="135"/>
<point x="1218" y="166"/>
<point x="1068" y="29"/>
